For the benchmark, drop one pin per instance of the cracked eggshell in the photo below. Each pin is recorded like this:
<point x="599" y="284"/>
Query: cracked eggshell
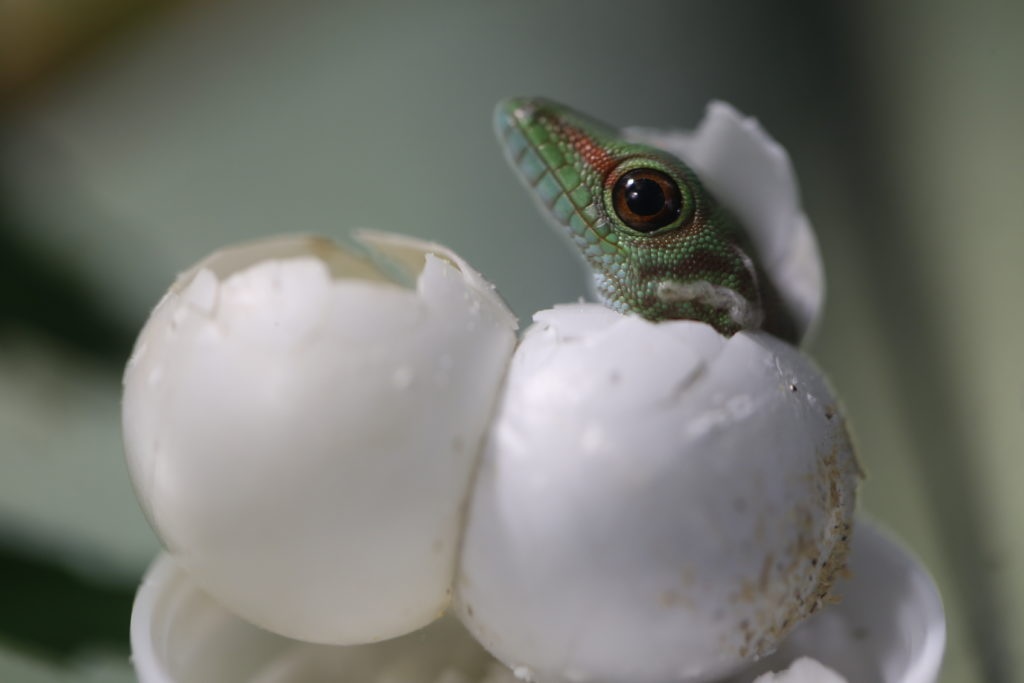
<point x="301" y="430"/>
<point x="752" y="176"/>
<point x="655" y="502"/>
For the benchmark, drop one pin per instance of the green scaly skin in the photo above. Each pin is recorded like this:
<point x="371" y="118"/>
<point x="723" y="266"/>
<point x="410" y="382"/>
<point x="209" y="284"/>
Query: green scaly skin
<point x="697" y="267"/>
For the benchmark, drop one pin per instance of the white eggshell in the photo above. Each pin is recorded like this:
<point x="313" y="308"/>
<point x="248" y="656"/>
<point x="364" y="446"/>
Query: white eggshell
<point x="655" y="502"/>
<point x="751" y="175"/>
<point x="301" y="430"/>
<point x="803" y="670"/>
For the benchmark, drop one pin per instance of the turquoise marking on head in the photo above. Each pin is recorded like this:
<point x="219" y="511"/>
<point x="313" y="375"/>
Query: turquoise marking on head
<point x="549" y="166"/>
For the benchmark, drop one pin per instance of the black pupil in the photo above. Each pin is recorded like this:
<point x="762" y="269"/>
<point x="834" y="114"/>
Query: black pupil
<point x="644" y="197"/>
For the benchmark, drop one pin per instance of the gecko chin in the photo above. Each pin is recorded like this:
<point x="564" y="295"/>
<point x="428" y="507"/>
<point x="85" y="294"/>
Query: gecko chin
<point x="744" y="313"/>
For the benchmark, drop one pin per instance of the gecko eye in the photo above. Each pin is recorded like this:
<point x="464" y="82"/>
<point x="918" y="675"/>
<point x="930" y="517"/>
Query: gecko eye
<point x="646" y="199"/>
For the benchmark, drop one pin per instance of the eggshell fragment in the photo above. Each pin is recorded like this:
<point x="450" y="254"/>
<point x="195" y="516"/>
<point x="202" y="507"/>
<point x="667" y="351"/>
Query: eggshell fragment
<point x="654" y="502"/>
<point x="301" y="430"/>
<point x="803" y="670"/>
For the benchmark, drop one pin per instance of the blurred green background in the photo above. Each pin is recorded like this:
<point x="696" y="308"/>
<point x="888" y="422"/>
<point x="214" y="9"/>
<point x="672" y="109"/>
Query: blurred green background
<point x="137" y="136"/>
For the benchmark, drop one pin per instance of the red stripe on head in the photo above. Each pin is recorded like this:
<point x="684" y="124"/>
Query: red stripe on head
<point x="592" y="154"/>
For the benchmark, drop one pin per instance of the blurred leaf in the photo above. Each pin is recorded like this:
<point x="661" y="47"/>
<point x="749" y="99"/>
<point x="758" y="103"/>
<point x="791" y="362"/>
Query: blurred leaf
<point x="40" y="291"/>
<point x="57" y="613"/>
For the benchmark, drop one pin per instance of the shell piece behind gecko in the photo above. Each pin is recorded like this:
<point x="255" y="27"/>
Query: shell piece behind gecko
<point x="658" y="239"/>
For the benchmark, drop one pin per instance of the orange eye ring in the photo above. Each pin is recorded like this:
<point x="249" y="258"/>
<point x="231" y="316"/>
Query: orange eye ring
<point x="646" y="199"/>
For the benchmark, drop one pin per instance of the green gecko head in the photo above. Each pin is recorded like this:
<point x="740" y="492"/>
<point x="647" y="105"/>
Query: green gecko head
<point x="659" y="245"/>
